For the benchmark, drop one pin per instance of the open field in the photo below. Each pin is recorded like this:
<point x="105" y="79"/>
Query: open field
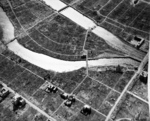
<point x="34" y="46"/>
<point x="131" y="108"/>
<point x="140" y="89"/>
<point x="48" y="102"/>
<point x="109" y="77"/>
<point x="145" y="46"/>
<point x="96" y="94"/>
<point x="96" y="46"/>
<point x="109" y="102"/>
<point x="17" y="27"/>
<point x="147" y="0"/>
<point x="52" y="46"/>
<point x="26" y="83"/>
<point x="69" y="81"/>
<point x="31" y="13"/>
<point x="113" y="29"/>
<point x="134" y="16"/>
<point x="62" y="30"/>
<point x="70" y="1"/>
<point x="28" y="12"/>
<point x="112" y="78"/>
<point x="17" y="3"/>
<point x="60" y="36"/>
<point x="36" y="70"/>
<point x="9" y="71"/>
<point x="109" y="7"/>
<point x="42" y="30"/>
<point x="123" y="81"/>
<point x="118" y="16"/>
<point x="66" y="114"/>
<point x="92" y="92"/>
<point x="65" y="42"/>
<point x="90" y="9"/>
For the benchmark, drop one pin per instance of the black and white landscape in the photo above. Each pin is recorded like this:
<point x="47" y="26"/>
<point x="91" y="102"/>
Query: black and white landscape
<point x="74" y="60"/>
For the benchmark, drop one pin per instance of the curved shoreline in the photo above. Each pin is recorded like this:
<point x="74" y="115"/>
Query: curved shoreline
<point x="87" y="23"/>
<point x="8" y="33"/>
<point x="109" y="38"/>
<point x="49" y="63"/>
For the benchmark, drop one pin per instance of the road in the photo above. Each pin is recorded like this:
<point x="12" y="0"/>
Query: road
<point x="101" y="31"/>
<point x="140" y="69"/>
<point x="31" y="104"/>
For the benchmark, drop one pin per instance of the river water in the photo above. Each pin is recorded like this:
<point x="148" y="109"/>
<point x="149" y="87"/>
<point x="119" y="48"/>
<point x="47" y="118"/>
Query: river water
<point x="8" y="33"/>
<point x="49" y="63"/>
<point x="111" y="39"/>
<point x="78" y="18"/>
<point x="55" y="4"/>
<point x="87" y="23"/>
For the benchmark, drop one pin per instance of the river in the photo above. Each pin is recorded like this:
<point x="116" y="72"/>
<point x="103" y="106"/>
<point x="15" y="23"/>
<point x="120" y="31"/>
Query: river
<point x="49" y="63"/>
<point x="55" y="4"/>
<point x="8" y="29"/>
<point x="87" y="23"/>
<point x="110" y="38"/>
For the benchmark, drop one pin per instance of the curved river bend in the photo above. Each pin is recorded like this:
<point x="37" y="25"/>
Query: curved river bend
<point x="49" y="63"/>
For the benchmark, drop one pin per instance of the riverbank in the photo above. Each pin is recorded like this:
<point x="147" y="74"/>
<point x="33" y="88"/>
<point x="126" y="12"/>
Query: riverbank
<point x="49" y="63"/>
<point x="55" y="4"/>
<point x="110" y="39"/>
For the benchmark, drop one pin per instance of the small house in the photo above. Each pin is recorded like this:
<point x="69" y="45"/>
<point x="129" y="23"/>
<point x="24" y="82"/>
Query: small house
<point x="86" y="110"/>
<point x="4" y="92"/>
<point x="137" y="41"/>
<point x="18" y="102"/>
<point x="144" y="77"/>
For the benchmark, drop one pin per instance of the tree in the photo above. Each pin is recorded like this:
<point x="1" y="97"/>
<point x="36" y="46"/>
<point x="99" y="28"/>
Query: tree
<point x="119" y="69"/>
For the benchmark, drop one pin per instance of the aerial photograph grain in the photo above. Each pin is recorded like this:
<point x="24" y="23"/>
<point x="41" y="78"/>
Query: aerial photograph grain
<point x="74" y="60"/>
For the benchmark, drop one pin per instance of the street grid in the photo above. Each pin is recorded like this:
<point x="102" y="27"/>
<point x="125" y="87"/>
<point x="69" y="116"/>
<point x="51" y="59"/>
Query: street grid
<point x="120" y="97"/>
<point x="78" y="87"/>
<point x="62" y="44"/>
